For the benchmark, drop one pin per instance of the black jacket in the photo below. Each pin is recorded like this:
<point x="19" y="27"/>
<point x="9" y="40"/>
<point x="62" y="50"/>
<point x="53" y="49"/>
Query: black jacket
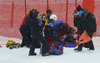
<point x="83" y="23"/>
<point x="91" y="24"/>
<point x="80" y="23"/>
<point x="49" y="33"/>
<point x="35" y="28"/>
<point x="77" y="23"/>
<point x="25" y="27"/>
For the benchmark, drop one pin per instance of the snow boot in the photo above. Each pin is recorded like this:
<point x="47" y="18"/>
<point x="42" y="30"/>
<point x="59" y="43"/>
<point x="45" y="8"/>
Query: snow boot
<point x="77" y="49"/>
<point x="32" y="54"/>
<point x="46" y="54"/>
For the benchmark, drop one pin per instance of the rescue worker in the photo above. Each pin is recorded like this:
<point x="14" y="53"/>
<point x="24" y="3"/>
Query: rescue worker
<point x="24" y="30"/>
<point x="48" y="29"/>
<point x="79" y="9"/>
<point x="35" y="31"/>
<point x="81" y="25"/>
<point x="46" y="15"/>
<point x="91" y="27"/>
<point x="77" y="22"/>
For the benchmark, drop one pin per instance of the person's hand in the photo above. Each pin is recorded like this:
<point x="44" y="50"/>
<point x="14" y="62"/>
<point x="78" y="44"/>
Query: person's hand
<point x="76" y="43"/>
<point x="85" y="32"/>
<point x="44" y="19"/>
<point x="75" y="28"/>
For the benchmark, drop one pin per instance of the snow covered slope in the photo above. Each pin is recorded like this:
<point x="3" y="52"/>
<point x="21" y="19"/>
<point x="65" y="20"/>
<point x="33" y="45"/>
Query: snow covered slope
<point x="20" y="55"/>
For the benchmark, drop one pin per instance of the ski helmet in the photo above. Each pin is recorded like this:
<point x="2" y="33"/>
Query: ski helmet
<point x="34" y="13"/>
<point x="53" y="17"/>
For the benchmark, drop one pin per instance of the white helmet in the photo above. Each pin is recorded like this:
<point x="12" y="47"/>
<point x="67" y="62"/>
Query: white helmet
<point x="54" y="17"/>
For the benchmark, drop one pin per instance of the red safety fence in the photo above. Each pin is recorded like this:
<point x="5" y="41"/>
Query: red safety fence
<point x="12" y="12"/>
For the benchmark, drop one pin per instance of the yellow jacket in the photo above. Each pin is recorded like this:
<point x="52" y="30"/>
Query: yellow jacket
<point x="47" y="18"/>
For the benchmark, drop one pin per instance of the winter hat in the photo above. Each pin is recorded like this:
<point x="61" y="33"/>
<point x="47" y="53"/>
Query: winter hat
<point x="86" y="11"/>
<point x="79" y="8"/>
<point x="80" y="13"/>
<point x="75" y="12"/>
<point x="33" y="13"/>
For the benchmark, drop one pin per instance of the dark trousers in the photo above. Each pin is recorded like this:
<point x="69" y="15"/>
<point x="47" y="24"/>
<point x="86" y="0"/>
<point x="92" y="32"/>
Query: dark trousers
<point x="26" y="40"/>
<point x="35" y="41"/>
<point x="88" y="44"/>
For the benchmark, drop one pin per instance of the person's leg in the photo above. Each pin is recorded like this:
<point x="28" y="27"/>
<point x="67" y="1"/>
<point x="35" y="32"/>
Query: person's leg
<point x="32" y="48"/>
<point x="79" y="48"/>
<point x="86" y="45"/>
<point x="29" y="38"/>
<point x="91" y="46"/>
<point x="23" y="30"/>
<point x="44" y="45"/>
<point x="24" y="39"/>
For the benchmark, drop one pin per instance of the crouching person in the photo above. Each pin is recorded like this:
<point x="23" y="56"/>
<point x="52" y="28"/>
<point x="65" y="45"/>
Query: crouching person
<point x="36" y="33"/>
<point x="48" y="28"/>
<point x="54" y="47"/>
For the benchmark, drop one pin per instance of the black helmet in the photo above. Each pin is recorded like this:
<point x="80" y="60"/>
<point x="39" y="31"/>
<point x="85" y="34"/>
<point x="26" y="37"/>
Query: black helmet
<point x="33" y="13"/>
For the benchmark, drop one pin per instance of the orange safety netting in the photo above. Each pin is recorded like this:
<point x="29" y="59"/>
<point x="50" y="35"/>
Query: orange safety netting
<point x="10" y="28"/>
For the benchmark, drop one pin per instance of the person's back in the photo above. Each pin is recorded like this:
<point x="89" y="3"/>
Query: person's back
<point x="34" y="26"/>
<point x="25" y="32"/>
<point x="24" y="27"/>
<point x="48" y="31"/>
<point x="91" y="28"/>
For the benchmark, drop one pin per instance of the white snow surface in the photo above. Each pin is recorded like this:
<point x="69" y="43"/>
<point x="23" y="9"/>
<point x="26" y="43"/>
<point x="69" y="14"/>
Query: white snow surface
<point x="20" y="55"/>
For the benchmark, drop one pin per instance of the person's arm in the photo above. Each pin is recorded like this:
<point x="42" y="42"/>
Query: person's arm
<point x="38" y="27"/>
<point x="75" y="22"/>
<point x="35" y="25"/>
<point x="83" y="25"/>
<point x="43" y="24"/>
<point x="41" y="16"/>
